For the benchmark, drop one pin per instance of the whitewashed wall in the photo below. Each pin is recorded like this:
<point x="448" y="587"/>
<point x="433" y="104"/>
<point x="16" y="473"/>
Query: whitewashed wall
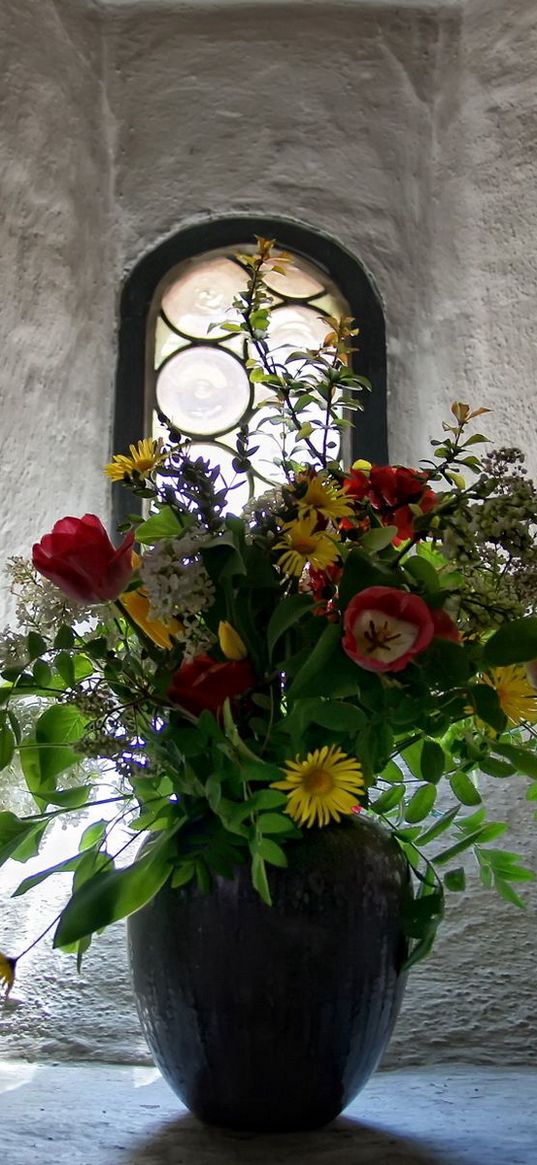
<point x="405" y="132"/>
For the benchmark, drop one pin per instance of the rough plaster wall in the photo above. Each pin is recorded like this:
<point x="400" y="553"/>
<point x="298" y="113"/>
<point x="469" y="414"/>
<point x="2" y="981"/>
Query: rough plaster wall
<point x="55" y="303"/>
<point x="407" y="137"/>
<point x="475" y="998"/>
<point x="56" y="376"/>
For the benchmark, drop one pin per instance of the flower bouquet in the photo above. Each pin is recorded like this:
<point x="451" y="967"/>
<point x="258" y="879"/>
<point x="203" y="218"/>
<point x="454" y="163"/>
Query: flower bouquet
<point x="356" y="640"/>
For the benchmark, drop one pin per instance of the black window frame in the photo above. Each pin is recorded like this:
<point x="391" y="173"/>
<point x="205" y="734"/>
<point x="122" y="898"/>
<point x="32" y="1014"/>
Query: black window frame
<point x="369" y="438"/>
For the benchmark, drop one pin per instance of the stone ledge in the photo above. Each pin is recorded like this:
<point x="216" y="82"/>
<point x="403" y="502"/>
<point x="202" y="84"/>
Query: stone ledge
<point x="96" y="1114"/>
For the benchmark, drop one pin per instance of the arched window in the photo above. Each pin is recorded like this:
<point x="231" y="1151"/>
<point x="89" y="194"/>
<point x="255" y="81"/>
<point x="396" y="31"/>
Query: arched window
<point x="174" y="357"/>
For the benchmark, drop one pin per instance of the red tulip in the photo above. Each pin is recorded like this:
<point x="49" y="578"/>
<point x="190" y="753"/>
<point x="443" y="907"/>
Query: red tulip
<point x="79" y="558"/>
<point x="385" y="628"/>
<point x="204" y="683"/>
<point x="444" y="627"/>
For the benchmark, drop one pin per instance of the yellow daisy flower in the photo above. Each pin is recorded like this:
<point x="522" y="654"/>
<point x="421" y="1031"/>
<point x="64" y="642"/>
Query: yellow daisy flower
<point x="144" y="457"/>
<point x="7" y="972"/>
<point x="517" y="696"/>
<point x="324" y="497"/>
<point x="303" y="544"/>
<point x="322" y="787"/>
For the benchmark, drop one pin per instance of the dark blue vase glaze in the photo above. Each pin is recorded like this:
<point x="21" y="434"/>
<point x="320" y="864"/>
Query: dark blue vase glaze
<point x="273" y="1018"/>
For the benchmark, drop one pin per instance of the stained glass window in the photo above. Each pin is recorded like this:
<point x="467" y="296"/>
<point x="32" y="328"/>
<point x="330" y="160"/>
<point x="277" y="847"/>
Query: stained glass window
<point x="199" y="378"/>
<point x="171" y="358"/>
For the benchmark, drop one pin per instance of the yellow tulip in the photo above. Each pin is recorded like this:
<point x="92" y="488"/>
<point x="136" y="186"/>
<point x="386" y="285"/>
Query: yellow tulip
<point x="136" y="604"/>
<point x="230" y="641"/>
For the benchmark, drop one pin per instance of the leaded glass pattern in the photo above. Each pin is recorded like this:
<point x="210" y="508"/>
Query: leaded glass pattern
<point x="199" y="378"/>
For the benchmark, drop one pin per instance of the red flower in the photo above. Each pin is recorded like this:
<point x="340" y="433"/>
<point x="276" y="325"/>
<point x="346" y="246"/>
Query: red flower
<point x="385" y="628"/>
<point x="392" y="489"/>
<point x="444" y="627"/>
<point x="79" y="558"/>
<point x="357" y="485"/>
<point x="204" y="683"/>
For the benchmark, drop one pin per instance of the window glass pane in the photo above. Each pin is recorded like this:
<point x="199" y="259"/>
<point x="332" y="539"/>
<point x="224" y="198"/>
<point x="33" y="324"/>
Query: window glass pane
<point x="299" y="282"/>
<point x="203" y="391"/>
<point x="202" y="296"/>
<point x="201" y="382"/>
<point x="166" y="342"/>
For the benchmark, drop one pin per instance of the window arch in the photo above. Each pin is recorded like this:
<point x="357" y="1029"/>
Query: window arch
<point x="161" y="339"/>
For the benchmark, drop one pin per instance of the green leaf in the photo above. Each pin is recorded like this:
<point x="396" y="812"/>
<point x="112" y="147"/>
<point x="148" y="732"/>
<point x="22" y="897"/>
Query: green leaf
<point x="70" y="798"/>
<point x="388" y="800"/>
<point x="515" y="642"/>
<point x="464" y="789"/>
<point x="455" y="880"/>
<point x="65" y="667"/>
<point x="275" y="823"/>
<point x="491" y="831"/>
<point x="441" y="824"/>
<point x="432" y="761"/>
<point x="183" y="874"/>
<point x="423" y="914"/>
<point x="420" y="803"/>
<point x="487" y="706"/>
<point x="316" y="661"/>
<point x="107" y="897"/>
<point x="508" y="893"/>
<point x="64" y="867"/>
<point x="36" y="644"/>
<point x="267" y="799"/>
<point x="271" y="852"/>
<point x="531" y="794"/>
<point x="93" y="835"/>
<point x="28" y="845"/>
<point x="259" y="878"/>
<point x="422" y="571"/>
<point x="164" y="524"/>
<point x="361" y="571"/>
<point x="286" y="614"/>
<point x="65" y="638"/>
<point x="7" y="746"/>
<point x="524" y="759"/>
<point x="496" y="768"/>
<point x="392" y="773"/>
<point x="459" y="847"/>
<point x="42" y="673"/>
<point x="379" y="538"/>
<point x="14" y="832"/>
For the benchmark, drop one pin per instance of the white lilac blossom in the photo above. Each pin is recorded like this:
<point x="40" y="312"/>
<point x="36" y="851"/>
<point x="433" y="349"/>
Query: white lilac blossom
<point x="39" y="603"/>
<point x="175" y="579"/>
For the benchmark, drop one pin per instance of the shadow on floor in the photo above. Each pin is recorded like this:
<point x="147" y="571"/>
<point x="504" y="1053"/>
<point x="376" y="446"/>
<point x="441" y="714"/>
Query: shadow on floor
<point x="345" y="1142"/>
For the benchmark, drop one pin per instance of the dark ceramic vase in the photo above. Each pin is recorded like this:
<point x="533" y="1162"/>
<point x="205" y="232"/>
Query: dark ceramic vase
<point x="273" y="1018"/>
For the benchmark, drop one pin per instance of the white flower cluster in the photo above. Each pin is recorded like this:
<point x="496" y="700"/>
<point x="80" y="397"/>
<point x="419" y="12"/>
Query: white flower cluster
<point x="13" y="649"/>
<point x="175" y="579"/>
<point x="39" y="605"/>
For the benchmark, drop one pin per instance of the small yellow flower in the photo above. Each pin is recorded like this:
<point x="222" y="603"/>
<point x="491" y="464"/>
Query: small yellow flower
<point x="322" y="787"/>
<point x="7" y="972"/>
<point x="303" y="544"/>
<point x="137" y="606"/>
<point x="144" y="457"/>
<point x="517" y="696"/>
<point x="323" y="497"/>
<point x="230" y="641"/>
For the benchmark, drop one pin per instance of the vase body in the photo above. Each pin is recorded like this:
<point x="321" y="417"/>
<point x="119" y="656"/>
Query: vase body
<point x="272" y="1018"/>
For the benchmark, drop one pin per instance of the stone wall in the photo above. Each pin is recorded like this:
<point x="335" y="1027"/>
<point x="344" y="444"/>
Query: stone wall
<point x="405" y="132"/>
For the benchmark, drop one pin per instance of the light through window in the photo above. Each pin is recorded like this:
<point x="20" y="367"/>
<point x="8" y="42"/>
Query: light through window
<point x="199" y="377"/>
